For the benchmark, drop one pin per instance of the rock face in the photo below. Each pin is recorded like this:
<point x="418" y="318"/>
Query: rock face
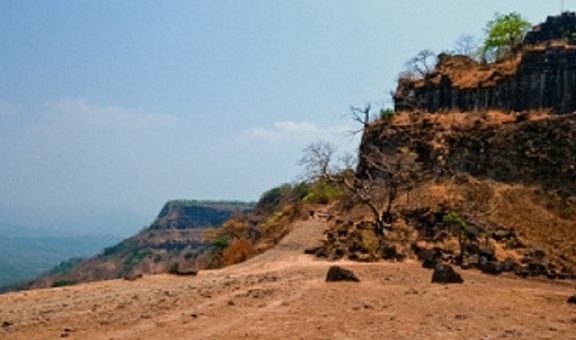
<point x="336" y="273"/>
<point x="541" y="152"/>
<point x="543" y="76"/>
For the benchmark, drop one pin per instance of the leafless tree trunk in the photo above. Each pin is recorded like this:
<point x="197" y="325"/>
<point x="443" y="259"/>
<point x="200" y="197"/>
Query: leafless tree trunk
<point x="378" y="186"/>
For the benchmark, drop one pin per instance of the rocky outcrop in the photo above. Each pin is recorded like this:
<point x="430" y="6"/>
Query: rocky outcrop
<point x="190" y="214"/>
<point x="541" y="152"/>
<point x="542" y="76"/>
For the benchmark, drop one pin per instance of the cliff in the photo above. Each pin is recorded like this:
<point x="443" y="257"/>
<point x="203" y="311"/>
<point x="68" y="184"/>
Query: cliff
<point x="508" y="172"/>
<point x="541" y="76"/>
<point x="176" y="236"/>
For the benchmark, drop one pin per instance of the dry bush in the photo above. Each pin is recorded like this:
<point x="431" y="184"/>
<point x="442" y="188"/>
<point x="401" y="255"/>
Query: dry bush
<point x="370" y="241"/>
<point x="237" y="251"/>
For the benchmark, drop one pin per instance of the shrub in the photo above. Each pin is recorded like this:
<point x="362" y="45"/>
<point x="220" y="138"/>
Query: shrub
<point x="323" y="192"/>
<point x="237" y="251"/>
<point x="64" y="283"/>
<point x="386" y="114"/>
<point x="370" y="241"/>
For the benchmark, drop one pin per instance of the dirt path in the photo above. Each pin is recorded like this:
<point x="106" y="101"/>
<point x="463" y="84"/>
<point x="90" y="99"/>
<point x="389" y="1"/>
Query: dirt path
<point x="281" y="294"/>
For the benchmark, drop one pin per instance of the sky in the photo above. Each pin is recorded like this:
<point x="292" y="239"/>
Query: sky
<point x="110" y="108"/>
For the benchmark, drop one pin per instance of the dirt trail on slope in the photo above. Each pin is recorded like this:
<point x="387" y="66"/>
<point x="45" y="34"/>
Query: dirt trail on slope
<point x="281" y="294"/>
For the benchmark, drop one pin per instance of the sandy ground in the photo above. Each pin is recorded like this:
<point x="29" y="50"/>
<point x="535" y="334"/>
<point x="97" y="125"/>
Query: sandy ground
<point x="281" y="294"/>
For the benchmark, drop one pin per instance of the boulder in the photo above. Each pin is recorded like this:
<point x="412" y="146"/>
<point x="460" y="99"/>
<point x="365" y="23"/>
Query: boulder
<point x="493" y="268"/>
<point x="521" y="271"/>
<point x="572" y="300"/>
<point x="336" y="273"/>
<point x="508" y="265"/>
<point x="471" y="248"/>
<point x="389" y="253"/>
<point x="429" y="257"/>
<point x="488" y="253"/>
<point x="445" y="274"/>
<point x="536" y="269"/>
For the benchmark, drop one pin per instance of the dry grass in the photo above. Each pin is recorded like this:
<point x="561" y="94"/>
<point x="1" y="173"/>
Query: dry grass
<point x="543" y="218"/>
<point x="237" y="251"/>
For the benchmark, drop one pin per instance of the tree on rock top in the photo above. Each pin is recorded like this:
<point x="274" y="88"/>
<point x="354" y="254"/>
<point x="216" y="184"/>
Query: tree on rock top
<point x="504" y="35"/>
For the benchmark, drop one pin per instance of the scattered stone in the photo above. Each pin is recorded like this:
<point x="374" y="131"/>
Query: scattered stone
<point x="551" y="274"/>
<point x="445" y="274"/>
<point x="521" y="271"/>
<point x="312" y="250"/>
<point x="539" y="255"/>
<point x="336" y="273"/>
<point x="389" y="253"/>
<point x="183" y="270"/>
<point x="471" y="248"/>
<point x="572" y="300"/>
<point x="536" y="269"/>
<point x="132" y="276"/>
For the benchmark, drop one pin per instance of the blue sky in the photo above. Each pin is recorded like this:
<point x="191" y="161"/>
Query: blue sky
<point x="110" y="108"/>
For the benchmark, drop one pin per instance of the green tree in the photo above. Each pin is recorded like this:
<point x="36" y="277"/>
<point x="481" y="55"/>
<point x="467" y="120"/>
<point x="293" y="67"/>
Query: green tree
<point x="504" y="35"/>
<point x="459" y="227"/>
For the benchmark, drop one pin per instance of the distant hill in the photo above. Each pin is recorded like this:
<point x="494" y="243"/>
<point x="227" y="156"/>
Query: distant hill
<point x="175" y="236"/>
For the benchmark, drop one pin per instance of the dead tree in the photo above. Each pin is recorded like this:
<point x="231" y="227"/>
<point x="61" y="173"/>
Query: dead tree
<point x="317" y="160"/>
<point x="384" y="177"/>
<point x="361" y="115"/>
<point x="421" y="64"/>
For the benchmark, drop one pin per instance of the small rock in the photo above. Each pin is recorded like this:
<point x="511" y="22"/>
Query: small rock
<point x="132" y="277"/>
<point x="336" y="273"/>
<point x="182" y="269"/>
<point x="572" y="300"/>
<point x="445" y="274"/>
<point x="311" y="251"/>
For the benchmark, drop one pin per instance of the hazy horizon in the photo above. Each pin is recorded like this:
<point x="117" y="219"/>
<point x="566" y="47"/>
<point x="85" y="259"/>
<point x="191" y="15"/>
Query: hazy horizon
<point x="108" y="109"/>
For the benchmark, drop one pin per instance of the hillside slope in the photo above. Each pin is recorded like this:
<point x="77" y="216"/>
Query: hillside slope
<point x="177" y="235"/>
<point x="282" y="294"/>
